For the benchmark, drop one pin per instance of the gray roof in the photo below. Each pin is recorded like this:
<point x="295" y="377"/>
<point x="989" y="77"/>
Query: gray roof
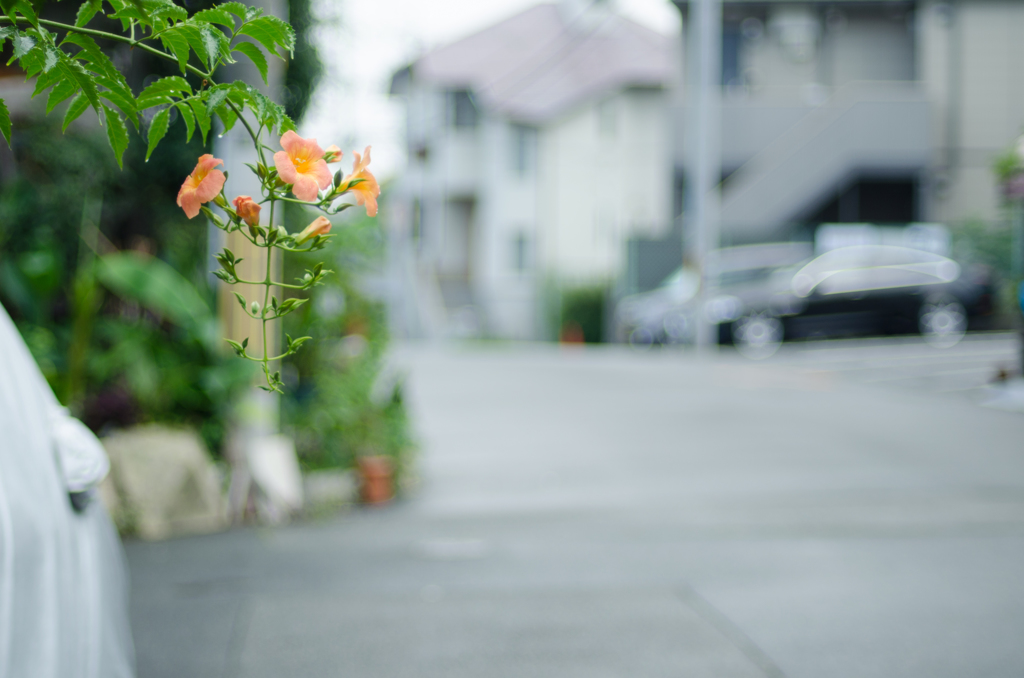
<point x="537" y="64"/>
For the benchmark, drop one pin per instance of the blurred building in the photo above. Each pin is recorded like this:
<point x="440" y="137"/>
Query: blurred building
<point x="536" y="148"/>
<point x="879" y="111"/>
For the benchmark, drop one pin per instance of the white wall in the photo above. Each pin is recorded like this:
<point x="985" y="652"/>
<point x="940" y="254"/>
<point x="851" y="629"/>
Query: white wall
<point x="605" y="173"/>
<point x="972" y="63"/>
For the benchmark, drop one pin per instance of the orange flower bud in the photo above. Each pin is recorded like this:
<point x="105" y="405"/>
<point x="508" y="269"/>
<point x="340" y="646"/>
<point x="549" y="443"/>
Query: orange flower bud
<point x="332" y="154"/>
<point x="248" y="209"/>
<point x="320" y="226"/>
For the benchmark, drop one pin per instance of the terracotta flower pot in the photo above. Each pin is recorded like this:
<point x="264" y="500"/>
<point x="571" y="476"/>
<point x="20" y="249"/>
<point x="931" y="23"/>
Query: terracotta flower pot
<point x="376" y="479"/>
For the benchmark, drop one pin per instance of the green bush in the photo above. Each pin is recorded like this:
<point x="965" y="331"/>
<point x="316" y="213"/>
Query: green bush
<point x="341" y="403"/>
<point x="584" y="308"/>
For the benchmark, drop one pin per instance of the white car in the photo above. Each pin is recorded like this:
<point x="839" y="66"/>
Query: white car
<point x="63" y="577"/>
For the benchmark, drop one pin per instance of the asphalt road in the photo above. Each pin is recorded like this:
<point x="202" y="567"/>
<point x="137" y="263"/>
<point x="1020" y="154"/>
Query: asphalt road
<point x="840" y="510"/>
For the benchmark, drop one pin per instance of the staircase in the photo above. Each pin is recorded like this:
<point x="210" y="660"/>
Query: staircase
<point x="864" y="127"/>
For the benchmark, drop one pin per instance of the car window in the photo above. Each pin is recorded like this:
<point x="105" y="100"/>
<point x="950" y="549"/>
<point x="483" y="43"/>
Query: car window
<point x="682" y="283"/>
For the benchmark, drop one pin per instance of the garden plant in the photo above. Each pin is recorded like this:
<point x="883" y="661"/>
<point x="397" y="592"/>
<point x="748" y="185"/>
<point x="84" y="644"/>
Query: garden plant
<point x="67" y="61"/>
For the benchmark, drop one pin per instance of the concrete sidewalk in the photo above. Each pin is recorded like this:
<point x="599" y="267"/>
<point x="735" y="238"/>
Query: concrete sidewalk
<point x="606" y="513"/>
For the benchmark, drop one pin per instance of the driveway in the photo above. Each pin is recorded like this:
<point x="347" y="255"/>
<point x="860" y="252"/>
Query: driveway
<point x="601" y="512"/>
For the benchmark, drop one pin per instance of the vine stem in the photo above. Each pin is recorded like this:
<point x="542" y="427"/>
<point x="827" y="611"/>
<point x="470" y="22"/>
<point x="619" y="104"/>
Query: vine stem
<point x="266" y="297"/>
<point x="116" y="38"/>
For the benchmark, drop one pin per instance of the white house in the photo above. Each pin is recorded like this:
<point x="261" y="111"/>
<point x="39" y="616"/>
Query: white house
<point x="536" y="148"/>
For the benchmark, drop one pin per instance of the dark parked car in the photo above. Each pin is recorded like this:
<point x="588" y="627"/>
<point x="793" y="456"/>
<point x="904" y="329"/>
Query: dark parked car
<point x="859" y="290"/>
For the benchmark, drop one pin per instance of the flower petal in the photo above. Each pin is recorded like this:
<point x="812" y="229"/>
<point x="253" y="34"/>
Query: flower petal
<point x="210" y="186"/>
<point x="285" y="167"/>
<point x="305" y="187"/>
<point x="321" y="173"/>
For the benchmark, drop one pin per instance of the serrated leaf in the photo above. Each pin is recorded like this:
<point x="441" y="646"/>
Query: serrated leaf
<point x="47" y="80"/>
<point x="23" y="44"/>
<point x="6" y="33"/>
<point x="170" y="11"/>
<point x="87" y="11"/>
<point x="78" y="106"/>
<point x="216" y="15"/>
<point x="193" y="36"/>
<point x="64" y="90"/>
<point x="157" y="130"/>
<point x="120" y="96"/>
<point x="189" y="118"/>
<point x="227" y="117"/>
<point x="176" y="44"/>
<point x="117" y="133"/>
<point x="27" y="11"/>
<point x="270" y="32"/>
<point x="202" y="117"/>
<point x="244" y="12"/>
<point x="5" y="122"/>
<point x="75" y="71"/>
<point x="255" y="55"/>
<point x="215" y="98"/>
<point x="161" y="91"/>
<point x="51" y="55"/>
<point x="93" y="55"/>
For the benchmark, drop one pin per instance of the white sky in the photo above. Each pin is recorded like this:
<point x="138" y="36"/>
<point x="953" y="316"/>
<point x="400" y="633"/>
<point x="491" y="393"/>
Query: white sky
<point x="363" y="43"/>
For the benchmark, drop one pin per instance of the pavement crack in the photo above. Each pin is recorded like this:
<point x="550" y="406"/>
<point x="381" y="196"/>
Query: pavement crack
<point x="712" y="615"/>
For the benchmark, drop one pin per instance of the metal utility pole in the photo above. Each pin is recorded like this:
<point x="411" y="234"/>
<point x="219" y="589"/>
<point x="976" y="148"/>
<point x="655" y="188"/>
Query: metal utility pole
<point x="702" y="203"/>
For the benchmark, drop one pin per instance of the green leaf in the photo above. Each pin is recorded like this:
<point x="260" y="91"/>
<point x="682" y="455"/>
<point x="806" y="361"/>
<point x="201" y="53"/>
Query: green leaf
<point x="161" y="92"/>
<point x="177" y="44"/>
<point x="93" y="55"/>
<point x="227" y="117"/>
<point x="170" y="11"/>
<point x="47" y="80"/>
<point x="87" y="11"/>
<point x="243" y="12"/>
<point x="215" y="98"/>
<point x="270" y="32"/>
<point x="157" y="130"/>
<point x="255" y="54"/>
<point x="117" y="133"/>
<point x="6" y="33"/>
<point x="241" y="300"/>
<point x="5" y="122"/>
<point x="157" y="286"/>
<point x="216" y="15"/>
<point x="195" y="38"/>
<point x="22" y="44"/>
<point x="64" y="90"/>
<point x="51" y="55"/>
<point x="202" y="117"/>
<point x="120" y="96"/>
<point x="190" y="120"/>
<point x="78" y="106"/>
<point x="27" y="11"/>
<point x="76" y="72"/>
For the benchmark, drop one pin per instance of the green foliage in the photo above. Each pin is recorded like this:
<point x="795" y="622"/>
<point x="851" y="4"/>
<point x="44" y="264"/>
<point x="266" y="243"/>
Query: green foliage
<point x="77" y="68"/>
<point x="584" y="307"/>
<point x="344" y="403"/>
<point x="113" y="348"/>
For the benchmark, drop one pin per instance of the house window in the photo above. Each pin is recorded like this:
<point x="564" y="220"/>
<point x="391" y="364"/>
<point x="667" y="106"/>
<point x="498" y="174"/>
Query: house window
<point x="524" y="146"/>
<point x="520" y="253"/>
<point x="461" y="109"/>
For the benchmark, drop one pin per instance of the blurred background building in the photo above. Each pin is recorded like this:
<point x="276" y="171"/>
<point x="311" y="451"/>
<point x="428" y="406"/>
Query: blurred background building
<point x="536" y="148"/>
<point x="550" y="150"/>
